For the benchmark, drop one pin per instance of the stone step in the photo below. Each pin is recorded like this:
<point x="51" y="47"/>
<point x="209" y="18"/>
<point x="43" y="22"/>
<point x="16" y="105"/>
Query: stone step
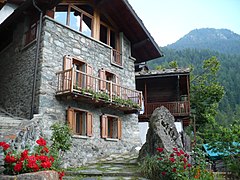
<point x="103" y="178"/>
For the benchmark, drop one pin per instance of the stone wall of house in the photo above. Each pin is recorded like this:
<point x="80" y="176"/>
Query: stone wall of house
<point x="57" y="41"/>
<point x="16" y="74"/>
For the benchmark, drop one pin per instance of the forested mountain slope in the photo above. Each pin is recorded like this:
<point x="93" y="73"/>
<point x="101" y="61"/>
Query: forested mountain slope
<point x="229" y="75"/>
<point x="220" y="40"/>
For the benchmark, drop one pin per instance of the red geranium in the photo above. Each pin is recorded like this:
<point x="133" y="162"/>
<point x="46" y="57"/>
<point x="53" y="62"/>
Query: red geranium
<point x="24" y="155"/>
<point x="163" y="173"/>
<point x="46" y="164"/>
<point x="175" y="149"/>
<point x="4" y="145"/>
<point x="61" y="174"/>
<point x="174" y="170"/>
<point x="10" y="159"/>
<point x="41" y="142"/>
<point x="172" y="159"/>
<point x="18" y="167"/>
<point x="160" y="149"/>
<point x="45" y="150"/>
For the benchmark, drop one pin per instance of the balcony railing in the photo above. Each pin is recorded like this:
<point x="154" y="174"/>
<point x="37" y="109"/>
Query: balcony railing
<point x="177" y="108"/>
<point x="76" y="82"/>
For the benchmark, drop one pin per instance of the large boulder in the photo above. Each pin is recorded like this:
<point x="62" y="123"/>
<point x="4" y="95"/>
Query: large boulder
<point x="162" y="132"/>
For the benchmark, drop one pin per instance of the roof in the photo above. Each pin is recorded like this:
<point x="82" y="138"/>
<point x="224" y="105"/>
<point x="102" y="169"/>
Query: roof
<point x="144" y="48"/>
<point x="162" y="73"/>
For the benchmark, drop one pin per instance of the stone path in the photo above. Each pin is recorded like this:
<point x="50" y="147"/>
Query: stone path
<point x="114" y="167"/>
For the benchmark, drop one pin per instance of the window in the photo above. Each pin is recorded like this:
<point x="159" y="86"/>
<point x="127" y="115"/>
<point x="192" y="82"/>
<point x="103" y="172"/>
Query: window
<point x="80" y="121"/>
<point x="111" y="37"/>
<point x="109" y="81"/>
<point x="111" y="127"/>
<point x="78" y="17"/>
<point x="31" y="31"/>
<point x="82" y="73"/>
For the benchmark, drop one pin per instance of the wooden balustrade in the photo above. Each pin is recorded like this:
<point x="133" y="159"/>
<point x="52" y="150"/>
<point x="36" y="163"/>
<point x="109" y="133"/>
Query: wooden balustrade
<point x="177" y="108"/>
<point x="74" y="81"/>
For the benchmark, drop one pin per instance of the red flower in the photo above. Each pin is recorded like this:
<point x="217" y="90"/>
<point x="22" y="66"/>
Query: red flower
<point x="182" y="152"/>
<point x="44" y="150"/>
<point x="2" y="143"/>
<point x="18" y="167"/>
<point x="160" y="149"/>
<point x="184" y="166"/>
<point x="178" y="153"/>
<point x="24" y="154"/>
<point x="33" y="165"/>
<point x="175" y="149"/>
<point x="172" y="159"/>
<point x="160" y="158"/>
<point x="174" y="170"/>
<point x="41" y="142"/>
<point x="51" y="159"/>
<point x="46" y="164"/>
<point x="10" y="159"/>
<point x="184" y="160"/>
<point x="189" y="165"/>
<point x="5" y="146"/>
<point x="43" y="158"/>
<point x="172" y="155"/>
<point x="61" y="174"/>
<point x="163" y="173"/>
<point x="186" y="155"/>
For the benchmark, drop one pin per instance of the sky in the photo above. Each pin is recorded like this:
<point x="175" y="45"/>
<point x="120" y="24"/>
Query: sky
<point x="169" y="20"/>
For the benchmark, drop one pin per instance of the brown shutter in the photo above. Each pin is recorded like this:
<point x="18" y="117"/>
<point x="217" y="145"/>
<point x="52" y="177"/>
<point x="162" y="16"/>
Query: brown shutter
<point x="70" y="117"/>
<point x="104" y="126"/>
<point x="119" y="129"/>
<point x="89" y="71"/>
<point x="67" y="62"/>
<point x="102" y="75"/>
<point x="89" y="124"/>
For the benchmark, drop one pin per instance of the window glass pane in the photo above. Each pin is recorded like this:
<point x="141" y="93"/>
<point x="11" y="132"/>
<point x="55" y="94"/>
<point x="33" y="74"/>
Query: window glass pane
<point x="113" y="39"/>
<point x="84" y="124"/>
<point x="87" y="26"/>
<point x="61" y="17"/>
<point x="75" y="20"/>
<point x="78" y="124"/>
<point x="115" y="128"/>
<point x="61" y="14"/>
<point x="103" y="34"/>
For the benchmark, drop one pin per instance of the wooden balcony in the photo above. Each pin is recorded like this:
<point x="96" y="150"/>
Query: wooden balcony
<point x="177" y="109"/>
<point x="82" y="86"/>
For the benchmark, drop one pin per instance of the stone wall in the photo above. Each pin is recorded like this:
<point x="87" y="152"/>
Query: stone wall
<point x="57" y="41"/>
<point x="16" y="74"/>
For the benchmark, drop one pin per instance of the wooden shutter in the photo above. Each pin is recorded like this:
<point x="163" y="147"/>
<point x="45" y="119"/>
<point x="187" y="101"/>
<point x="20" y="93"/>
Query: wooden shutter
<point x="89" y="124"/>
<point x="119" y="129"/>
<point x="118" y="83"/>
<point x="104" y="126"/>
<point x="67" y="76"/>
<point x="70" y="117"/>
<point x="67" y="62"/>
<point x="89" y="71"/>
<point x="102" y="84"/>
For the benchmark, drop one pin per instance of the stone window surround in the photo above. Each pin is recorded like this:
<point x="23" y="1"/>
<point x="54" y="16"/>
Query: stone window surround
<point x="105" y="127"/>
<point x="71" y="119"/>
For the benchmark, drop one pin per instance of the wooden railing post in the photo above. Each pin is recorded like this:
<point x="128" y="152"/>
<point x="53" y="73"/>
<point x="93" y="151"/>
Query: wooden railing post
<point x="111" y="89"/>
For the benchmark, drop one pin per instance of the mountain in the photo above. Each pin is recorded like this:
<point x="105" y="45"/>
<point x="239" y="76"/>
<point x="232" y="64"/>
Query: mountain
<point x="202" y="44"/>
<point x="220" y="40"/>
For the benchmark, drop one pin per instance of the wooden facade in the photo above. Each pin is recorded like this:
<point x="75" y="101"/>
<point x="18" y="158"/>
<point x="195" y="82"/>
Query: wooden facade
<point x="169" y="88"/>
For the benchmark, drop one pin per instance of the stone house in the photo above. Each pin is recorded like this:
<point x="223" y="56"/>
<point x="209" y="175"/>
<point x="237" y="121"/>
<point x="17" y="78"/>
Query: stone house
<point x="73" y="61"/>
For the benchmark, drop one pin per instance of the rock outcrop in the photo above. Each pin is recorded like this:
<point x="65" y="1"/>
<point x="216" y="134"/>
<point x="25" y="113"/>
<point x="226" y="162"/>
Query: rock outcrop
<point x="162" y="132"/>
